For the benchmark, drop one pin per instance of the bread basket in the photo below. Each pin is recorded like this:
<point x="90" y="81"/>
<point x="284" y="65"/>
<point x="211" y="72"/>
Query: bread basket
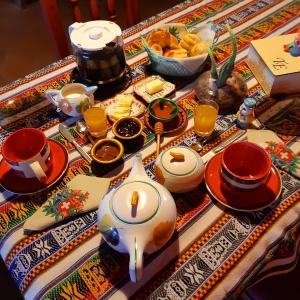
<point x="179" y="67"/>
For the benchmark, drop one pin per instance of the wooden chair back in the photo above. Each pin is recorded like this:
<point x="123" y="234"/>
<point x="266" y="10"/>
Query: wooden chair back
<point x="53" y="21"/>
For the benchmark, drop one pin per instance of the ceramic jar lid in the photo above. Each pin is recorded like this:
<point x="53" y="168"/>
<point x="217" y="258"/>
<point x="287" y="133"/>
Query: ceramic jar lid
<point x="179" y="167"/>
<point x="138" y="210"/>
<point x="93" y="35"/>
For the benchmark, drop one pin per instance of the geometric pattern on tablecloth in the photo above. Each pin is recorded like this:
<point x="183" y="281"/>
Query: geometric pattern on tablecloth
<point x="279" y="252"/>
<point x="240" y="229"/>
<point x="290" y="17"/>
<point x="185" y="215"/>
<point x="199" y="265"/>
<point x="222" y="126"/>
<point x="235" y="18"/>
<point x="24" y="264"/>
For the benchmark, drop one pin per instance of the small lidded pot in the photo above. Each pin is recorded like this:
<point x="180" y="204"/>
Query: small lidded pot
<point x="107" y="151"/>
<point x="163" y="109"/>
<point x="180" y="169"/>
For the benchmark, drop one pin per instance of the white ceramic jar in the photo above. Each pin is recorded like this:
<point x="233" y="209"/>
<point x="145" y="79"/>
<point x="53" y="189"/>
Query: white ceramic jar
<point x="180" y="169"/>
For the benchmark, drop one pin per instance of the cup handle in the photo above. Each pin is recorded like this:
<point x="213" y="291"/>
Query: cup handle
<point x="135" y="262"/>
<point x="38" y="171"/>
<point x="50" y="96"/>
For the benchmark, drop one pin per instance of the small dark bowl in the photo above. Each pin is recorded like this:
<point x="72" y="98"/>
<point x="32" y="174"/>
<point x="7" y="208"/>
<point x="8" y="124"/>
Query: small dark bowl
<point x="121" y="121"/>
<point x="162" y="101"/>
<point x="102" y="142"/>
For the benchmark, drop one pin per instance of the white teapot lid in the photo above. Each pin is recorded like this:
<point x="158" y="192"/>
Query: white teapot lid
<point x="93" y="35"/>
<point x="179" y="167"/>
<point x="143" y="209"/>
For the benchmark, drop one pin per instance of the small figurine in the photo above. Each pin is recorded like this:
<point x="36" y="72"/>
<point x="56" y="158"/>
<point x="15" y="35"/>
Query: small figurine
<point x="293" y="47"/>
<point x="245" y="115"/>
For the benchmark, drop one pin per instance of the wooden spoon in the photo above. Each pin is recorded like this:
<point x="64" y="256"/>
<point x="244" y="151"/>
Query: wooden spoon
<point x="158" y="129"/>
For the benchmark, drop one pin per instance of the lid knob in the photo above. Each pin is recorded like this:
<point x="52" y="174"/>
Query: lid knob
<point x="177" y="155"/>
<point x="95" y="34"/>
<point x="134" y="198"/>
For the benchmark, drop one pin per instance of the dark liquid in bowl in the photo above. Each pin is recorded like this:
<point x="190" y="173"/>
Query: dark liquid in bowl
<point x="163" y="109"/>
<point x="128" y="128"/>
<point x="107" y="151"/>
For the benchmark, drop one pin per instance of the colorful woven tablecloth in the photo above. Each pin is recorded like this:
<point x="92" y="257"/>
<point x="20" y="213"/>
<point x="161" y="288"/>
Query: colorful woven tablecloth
<point x="215" y="252"/>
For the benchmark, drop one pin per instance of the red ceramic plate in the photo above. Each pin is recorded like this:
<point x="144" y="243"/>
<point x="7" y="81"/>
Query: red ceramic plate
<point x="251" y="200"/>
<point x="24" y="186"/>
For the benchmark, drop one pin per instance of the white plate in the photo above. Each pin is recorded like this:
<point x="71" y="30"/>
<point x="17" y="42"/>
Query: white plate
<point x="140" y="88"/>
<point x="137" y="108"/>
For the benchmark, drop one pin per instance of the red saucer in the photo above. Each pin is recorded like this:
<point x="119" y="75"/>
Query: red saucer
<point x="254" y="199"/>
<point x="16" y="184"/>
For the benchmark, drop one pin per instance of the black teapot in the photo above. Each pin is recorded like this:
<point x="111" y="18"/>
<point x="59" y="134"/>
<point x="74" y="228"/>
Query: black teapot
<point x="98" y="47"/>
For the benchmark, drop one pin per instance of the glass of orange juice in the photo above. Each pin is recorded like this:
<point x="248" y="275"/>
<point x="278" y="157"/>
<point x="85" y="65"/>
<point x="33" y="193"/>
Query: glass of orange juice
<point x="96" y="121"/>
<point x="205" y="115"/>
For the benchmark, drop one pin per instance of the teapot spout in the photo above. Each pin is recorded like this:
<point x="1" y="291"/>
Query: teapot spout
<point x="91" y="89"/>
<point x="135" y="261"/>
<point x="137" y="166"/>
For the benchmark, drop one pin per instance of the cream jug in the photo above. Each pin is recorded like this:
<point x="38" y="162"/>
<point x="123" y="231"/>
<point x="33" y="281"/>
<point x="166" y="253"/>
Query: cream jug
<point x="136" y="217"/>
<point x="73" y="99"/>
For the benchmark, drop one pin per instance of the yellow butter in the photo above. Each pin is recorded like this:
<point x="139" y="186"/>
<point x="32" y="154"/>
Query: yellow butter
<point x="154" y="86"/>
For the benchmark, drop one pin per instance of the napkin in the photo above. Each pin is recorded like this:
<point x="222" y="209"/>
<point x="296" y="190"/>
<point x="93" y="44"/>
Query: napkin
<point x="83" y="193"/>
<point x="283" y="156"/>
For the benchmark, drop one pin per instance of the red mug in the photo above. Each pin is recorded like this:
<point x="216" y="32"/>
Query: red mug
<point x="245" y="165"/>
<point x="27" y="152"/>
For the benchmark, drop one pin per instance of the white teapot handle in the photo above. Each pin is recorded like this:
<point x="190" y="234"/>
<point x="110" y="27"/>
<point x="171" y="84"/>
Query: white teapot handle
<point x="135" y="261"/>
<point x="50" y="96"/>
<point x="38" y="171"/>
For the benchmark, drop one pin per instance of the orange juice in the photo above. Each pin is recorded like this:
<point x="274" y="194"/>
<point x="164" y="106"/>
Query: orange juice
<point x="96" y="121"/>
<point x="205" y="115"/>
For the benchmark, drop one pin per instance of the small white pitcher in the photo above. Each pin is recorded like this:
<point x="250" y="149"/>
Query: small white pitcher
<point x="73" y="99"/>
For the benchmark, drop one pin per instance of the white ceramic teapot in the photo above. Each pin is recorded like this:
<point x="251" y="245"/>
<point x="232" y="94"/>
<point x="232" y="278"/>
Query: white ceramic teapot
<point x="180" y="169"/>
<point x="73" y="99"/>
<point x="138" y="216"/>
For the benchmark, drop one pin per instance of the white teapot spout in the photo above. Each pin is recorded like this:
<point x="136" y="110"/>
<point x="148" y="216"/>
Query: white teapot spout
<point x="137" y="167"/>
<point x="91" y="89"/>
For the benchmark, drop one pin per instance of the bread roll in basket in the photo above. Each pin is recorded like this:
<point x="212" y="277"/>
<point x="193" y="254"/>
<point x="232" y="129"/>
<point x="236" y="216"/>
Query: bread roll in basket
<point x="176" y="51"/>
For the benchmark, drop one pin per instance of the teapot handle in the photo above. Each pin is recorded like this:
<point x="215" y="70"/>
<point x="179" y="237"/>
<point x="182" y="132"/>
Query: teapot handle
<point x="136" y="261"/>
<point x="50" y="96"/>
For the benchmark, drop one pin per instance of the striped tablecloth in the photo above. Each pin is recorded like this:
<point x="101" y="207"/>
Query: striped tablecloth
<point x="215" y="252"/>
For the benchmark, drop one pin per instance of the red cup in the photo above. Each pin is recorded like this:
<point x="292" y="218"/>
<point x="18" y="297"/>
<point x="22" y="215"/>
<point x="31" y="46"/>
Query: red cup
<point x="245" y="165"/>
<point x="27" y="152"/>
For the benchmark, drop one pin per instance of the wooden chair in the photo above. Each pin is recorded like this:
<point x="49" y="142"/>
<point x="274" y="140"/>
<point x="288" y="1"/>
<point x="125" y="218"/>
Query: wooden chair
<point x="53" y="21"/>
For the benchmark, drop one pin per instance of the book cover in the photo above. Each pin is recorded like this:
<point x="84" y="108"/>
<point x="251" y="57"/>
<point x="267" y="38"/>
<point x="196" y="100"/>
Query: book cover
<point x="276" y="70"/>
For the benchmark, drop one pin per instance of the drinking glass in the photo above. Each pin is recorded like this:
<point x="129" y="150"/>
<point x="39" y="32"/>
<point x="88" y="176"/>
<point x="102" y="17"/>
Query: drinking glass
<point x="205" y="115"/>
<point x="96" y="121"/>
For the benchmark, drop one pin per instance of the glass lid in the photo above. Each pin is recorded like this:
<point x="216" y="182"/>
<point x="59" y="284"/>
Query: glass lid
<point x="93" y="35"/>
<point x="179" y="160"/>
<point x="135" y="202"/>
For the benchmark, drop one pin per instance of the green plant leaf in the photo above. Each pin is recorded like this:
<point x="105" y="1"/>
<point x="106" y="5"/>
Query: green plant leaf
<point x="227" y="67"/>
<point x="173" y="30"/>
<point x="213" y="70"/>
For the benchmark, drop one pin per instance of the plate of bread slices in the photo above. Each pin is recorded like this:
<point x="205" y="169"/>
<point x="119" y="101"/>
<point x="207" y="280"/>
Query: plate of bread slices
<point x="175" y="50"/>
<point x="123" y="105"/>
